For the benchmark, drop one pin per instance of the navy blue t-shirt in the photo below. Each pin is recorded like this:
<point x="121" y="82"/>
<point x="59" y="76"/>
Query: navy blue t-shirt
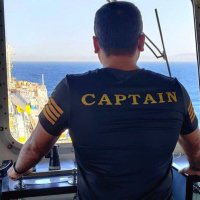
<point x="124" y="127"/>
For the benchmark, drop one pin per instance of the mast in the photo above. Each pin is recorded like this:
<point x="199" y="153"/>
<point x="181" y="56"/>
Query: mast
<point x="43" y="79"/>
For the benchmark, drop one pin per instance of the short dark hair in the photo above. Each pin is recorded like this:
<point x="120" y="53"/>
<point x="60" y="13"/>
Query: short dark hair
<point x="117" y="26"/>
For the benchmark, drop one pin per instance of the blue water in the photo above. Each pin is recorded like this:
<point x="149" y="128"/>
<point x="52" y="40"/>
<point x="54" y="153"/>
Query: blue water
<point x="185" y="72"/>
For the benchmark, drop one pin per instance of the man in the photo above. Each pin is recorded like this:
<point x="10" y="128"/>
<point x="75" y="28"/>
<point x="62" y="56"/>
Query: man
<point x="124" y="121"/>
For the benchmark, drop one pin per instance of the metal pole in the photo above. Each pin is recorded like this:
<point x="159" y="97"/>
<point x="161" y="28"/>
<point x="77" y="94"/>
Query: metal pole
<point x="196" y="13"/>
<point x="164" y="51"/>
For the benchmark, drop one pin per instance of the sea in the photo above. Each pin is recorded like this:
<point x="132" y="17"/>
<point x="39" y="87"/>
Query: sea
<point x="185" y="72"/>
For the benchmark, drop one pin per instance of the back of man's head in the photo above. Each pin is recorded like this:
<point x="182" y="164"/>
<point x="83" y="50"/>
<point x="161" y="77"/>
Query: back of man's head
<point x="117" y="27"/>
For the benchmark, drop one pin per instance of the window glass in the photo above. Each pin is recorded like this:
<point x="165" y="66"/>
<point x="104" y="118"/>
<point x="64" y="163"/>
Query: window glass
<point x="48" y="39"/>
<point x="42" y="42"/>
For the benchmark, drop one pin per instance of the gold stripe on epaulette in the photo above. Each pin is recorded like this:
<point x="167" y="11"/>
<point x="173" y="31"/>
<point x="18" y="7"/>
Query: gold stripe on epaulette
<point x="56" y="106"/>
<point x="192" y="117"/>
<point x="53" y="110"/>
<point x="47" y="117"/>
<point x="190" y="108"/>
<point x="191" y="112"/>
<point x="50" y="113"/>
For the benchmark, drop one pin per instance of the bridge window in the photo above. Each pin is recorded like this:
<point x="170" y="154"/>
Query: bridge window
<point x="45" y="41"/>
<point x="48" y="39"/>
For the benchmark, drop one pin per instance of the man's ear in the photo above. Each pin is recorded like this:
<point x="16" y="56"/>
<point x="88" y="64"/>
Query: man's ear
<point x="96" y="44"/>
<point x="141" y="41"/>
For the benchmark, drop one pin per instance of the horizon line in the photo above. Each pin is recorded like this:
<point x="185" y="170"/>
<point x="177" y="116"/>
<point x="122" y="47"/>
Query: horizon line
<point x="92" y="61"/>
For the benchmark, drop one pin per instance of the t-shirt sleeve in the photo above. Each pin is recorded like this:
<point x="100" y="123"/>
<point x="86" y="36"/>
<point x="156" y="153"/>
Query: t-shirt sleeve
<point x="190" y="120"/>
<point x="54" y="117"/>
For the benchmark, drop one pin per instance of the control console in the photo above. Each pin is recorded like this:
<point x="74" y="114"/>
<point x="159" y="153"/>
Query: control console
<point x="41" y="182"/>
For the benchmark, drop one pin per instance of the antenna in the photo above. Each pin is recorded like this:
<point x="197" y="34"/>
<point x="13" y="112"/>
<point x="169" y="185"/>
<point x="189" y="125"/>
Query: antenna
<point x="161" y="54"/>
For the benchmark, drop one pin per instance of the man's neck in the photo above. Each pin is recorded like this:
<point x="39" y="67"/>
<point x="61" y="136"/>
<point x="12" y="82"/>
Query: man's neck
<point x="125" y="63"/>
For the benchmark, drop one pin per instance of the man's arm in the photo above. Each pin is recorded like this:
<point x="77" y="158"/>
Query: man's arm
<point x="53" y="120"/>
<point x="191" y="146"/>
<point x="39" y="143"/>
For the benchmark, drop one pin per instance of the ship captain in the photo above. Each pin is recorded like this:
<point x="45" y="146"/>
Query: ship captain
<point x="124" y="121"/>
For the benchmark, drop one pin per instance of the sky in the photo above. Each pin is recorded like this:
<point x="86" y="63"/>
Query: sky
<point x="62" y="30"/>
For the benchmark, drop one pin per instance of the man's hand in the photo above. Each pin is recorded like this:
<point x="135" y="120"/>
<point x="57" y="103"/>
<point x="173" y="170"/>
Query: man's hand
<point x="15" y="176"/>
<point x="190" y="171"/>
<point x="191" y="146"/>
<point x="38" y="144"/>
